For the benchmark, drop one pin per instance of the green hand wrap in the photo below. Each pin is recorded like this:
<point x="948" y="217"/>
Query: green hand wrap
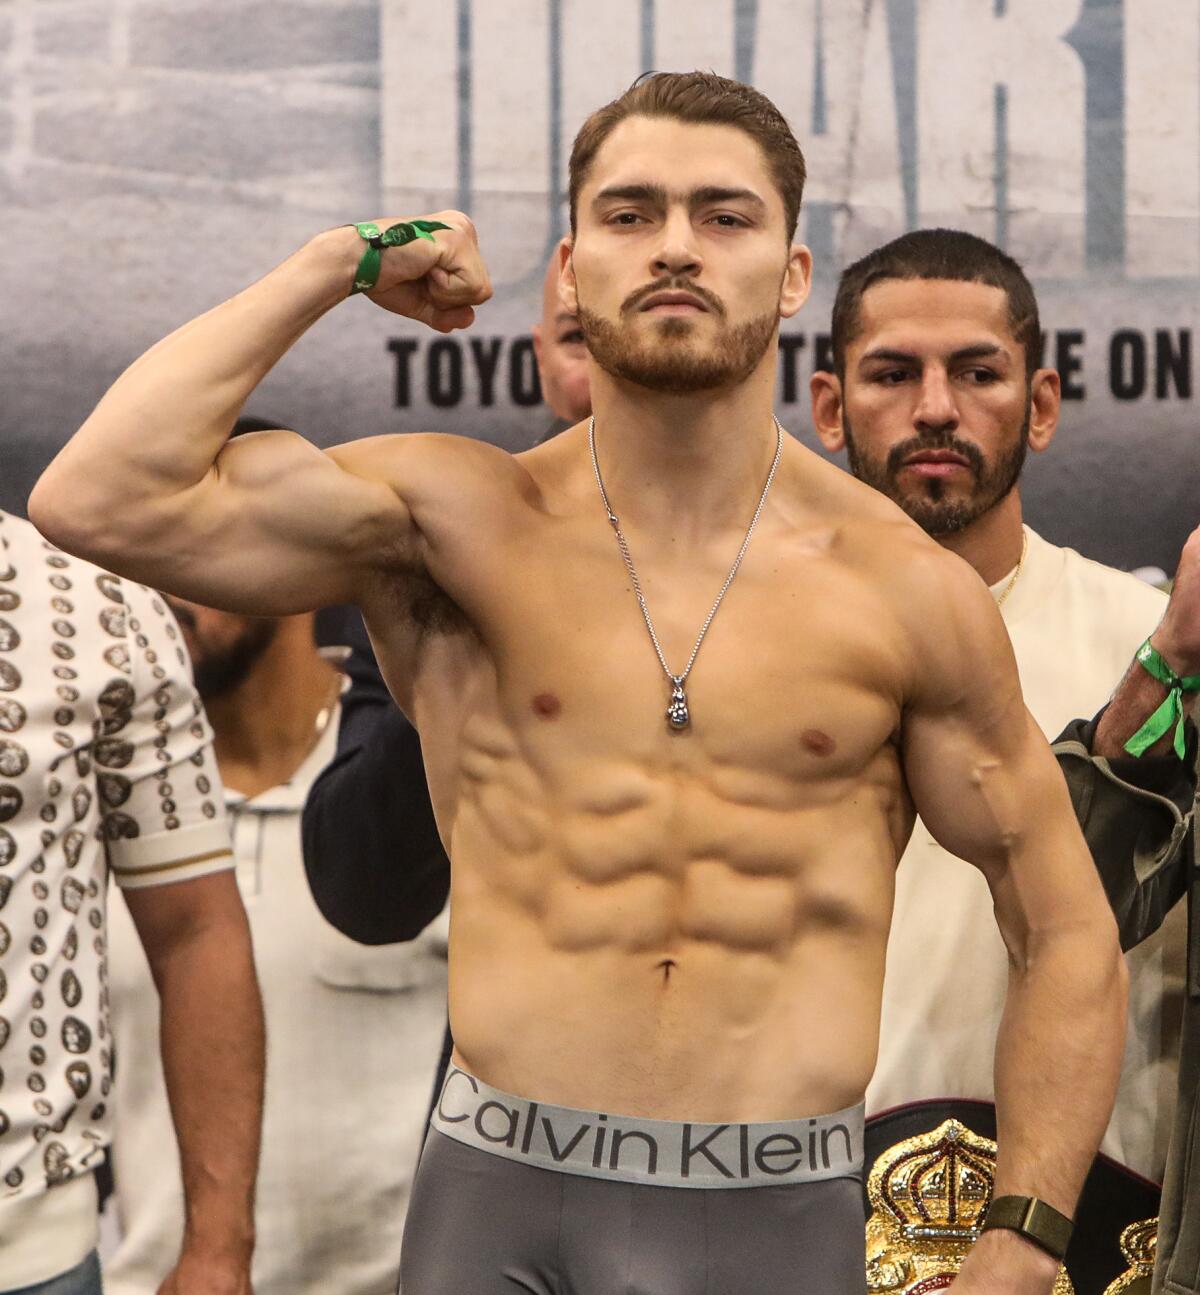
<point x="367" y="274"/>
<point x="1170" y="712"/>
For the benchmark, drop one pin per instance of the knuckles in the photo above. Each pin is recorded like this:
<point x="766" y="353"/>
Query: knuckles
<point x="458" y="276"/>
<point x="460" y="221"/>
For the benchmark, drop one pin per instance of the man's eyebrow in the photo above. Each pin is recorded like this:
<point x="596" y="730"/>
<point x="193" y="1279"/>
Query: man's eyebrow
<point x="566" y="317"/>
<point x="711" y="194"/>
<point x="705" y="196"/>
<point x="888" y="354"/>
<point x="655" y="193"/>
<point x="978" y="351"/>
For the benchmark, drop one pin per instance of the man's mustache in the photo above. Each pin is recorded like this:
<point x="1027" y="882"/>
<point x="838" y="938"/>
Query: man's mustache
<point x="706" y="295"/>
<point x="946" y="441"/>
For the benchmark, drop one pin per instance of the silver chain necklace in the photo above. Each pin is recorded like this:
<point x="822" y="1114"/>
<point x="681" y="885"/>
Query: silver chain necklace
<point x="678" y="714"/>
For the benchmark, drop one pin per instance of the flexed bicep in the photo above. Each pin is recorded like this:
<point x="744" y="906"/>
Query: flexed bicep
<point x="148" y="487"/>
<point x="278" y="526"/>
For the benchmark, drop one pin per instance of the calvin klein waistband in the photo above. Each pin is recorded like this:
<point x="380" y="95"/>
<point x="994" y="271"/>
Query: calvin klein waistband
<point x="663" y="1153"/>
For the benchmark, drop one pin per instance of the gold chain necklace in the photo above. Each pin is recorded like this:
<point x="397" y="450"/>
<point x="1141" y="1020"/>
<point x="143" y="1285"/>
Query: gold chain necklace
<point x="1008" y="588"/>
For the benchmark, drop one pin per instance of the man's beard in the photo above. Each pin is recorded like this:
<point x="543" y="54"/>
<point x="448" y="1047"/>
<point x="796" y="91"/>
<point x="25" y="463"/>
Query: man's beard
<point x="928" y="503"/>
<point x="663" y="361"/>
<point x="218" y="671"/>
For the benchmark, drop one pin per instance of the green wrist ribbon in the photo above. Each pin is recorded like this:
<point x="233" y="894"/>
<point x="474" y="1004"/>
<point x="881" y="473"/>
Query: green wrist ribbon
<point x="367" y="274"/>
<point x="1171" y="711"/>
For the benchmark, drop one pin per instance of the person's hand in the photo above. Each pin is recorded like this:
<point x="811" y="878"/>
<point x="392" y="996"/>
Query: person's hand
<point x="197" y="1274"/>
<point x="1178" y="636"/>
<point x="1004" y="1263"/>
<point x="437" y="280"/>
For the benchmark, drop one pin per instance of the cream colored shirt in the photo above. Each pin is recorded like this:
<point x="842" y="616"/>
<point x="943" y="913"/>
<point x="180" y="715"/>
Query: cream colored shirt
<point x="353" y="1038"/>
<point x="1074" y="626"/>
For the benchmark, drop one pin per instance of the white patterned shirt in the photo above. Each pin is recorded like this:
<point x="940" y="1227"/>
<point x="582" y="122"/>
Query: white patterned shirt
<point x="105" y="766"/>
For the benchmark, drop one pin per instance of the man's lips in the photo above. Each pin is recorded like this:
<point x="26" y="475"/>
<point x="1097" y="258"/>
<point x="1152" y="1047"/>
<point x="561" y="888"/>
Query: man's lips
<point x="673" y="303"/>
<point x="936" y="463"/>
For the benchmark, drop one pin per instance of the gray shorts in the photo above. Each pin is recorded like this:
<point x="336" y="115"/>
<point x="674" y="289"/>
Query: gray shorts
<point x="514" y="1196"/>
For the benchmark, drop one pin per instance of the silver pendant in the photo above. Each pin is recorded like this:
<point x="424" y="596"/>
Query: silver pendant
<point x="678" y="715"/>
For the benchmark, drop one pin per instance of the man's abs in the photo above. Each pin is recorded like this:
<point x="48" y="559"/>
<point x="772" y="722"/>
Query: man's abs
<point x="677" y="954"/>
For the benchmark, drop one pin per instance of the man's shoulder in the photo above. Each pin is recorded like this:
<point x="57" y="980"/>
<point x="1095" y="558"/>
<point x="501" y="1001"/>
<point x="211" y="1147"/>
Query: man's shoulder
<point x="1114" y="595"/>
<point x="383" y="453"/>
<point x="1122" y="584"/>
<point x="876" y="537"/>
<point x="862" y="518"/>
<point x="422" y="464"/>
<point x="885" y="561"/>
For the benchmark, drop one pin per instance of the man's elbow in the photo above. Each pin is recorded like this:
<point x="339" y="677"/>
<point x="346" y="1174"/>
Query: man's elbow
<point x="48" y="509"/>
<point x="1083" y="946"/>
<point x="76" y="516"/>
<point x="100" y="521"/>
<point x="1092" y="956"/>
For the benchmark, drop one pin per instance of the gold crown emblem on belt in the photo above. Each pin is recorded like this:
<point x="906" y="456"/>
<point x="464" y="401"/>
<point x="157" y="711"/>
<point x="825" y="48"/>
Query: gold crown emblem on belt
<point x="929" y="1196"/>
<point x="1139" y="1245"/>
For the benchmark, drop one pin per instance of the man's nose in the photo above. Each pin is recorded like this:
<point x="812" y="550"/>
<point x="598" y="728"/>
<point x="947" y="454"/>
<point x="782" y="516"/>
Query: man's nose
<point x="677" y="252"/>
<point x="936" y="409"/>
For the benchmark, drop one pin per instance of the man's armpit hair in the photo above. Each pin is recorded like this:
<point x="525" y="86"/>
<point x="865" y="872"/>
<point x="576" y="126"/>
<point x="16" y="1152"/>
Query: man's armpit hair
<point x="423" y="602"/>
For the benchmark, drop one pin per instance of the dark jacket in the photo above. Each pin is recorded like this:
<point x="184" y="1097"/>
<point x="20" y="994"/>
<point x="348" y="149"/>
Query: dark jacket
<point x="374" y="859"/>
<point x="1144" y="843"/>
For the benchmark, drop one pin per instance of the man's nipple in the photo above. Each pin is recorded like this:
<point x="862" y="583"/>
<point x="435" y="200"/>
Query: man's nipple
<point x="546" y="706"/>
<point x="819" y="743"/>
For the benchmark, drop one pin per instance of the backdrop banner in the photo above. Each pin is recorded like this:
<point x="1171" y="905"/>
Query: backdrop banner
<point x="154" y="158"/>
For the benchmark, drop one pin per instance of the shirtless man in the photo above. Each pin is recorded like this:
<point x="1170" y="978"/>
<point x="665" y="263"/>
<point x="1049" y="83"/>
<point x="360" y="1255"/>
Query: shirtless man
<point x="672" y="937"/>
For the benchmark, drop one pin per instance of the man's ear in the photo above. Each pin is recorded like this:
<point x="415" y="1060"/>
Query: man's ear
<point x="1044" y="405"/>
<point x="537" y="344"/>
<point x="797" y="280"/>
<point x="826" y="391"/>
<point x="568" y="293"/>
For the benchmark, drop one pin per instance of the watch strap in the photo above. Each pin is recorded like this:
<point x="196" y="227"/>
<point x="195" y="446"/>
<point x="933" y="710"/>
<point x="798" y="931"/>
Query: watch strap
<point x="1033" y="1219"/>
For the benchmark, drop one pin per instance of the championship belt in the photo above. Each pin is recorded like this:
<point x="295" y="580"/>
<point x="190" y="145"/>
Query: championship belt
<point x="930" y="1182"/>
<point x="1139" y="1245"/>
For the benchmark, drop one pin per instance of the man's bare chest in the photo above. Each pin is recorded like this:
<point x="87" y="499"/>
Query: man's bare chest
<point x="797" y="671"/>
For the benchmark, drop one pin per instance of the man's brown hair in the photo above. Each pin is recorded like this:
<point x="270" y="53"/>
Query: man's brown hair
<point x="705" y="99"/>
<point x="937" y="254"/>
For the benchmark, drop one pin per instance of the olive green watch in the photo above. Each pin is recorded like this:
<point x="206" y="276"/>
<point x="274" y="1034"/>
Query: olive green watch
<point x="1034" y="1220"/>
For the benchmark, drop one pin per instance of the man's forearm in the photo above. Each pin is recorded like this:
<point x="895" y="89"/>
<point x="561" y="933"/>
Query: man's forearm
<point x="161" y="426"/>
<point x="1058" y="1058"/>
<point x="213" y="1059"/>
<point x="1177" y="639"/>
<point x="1137" y="697"/>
